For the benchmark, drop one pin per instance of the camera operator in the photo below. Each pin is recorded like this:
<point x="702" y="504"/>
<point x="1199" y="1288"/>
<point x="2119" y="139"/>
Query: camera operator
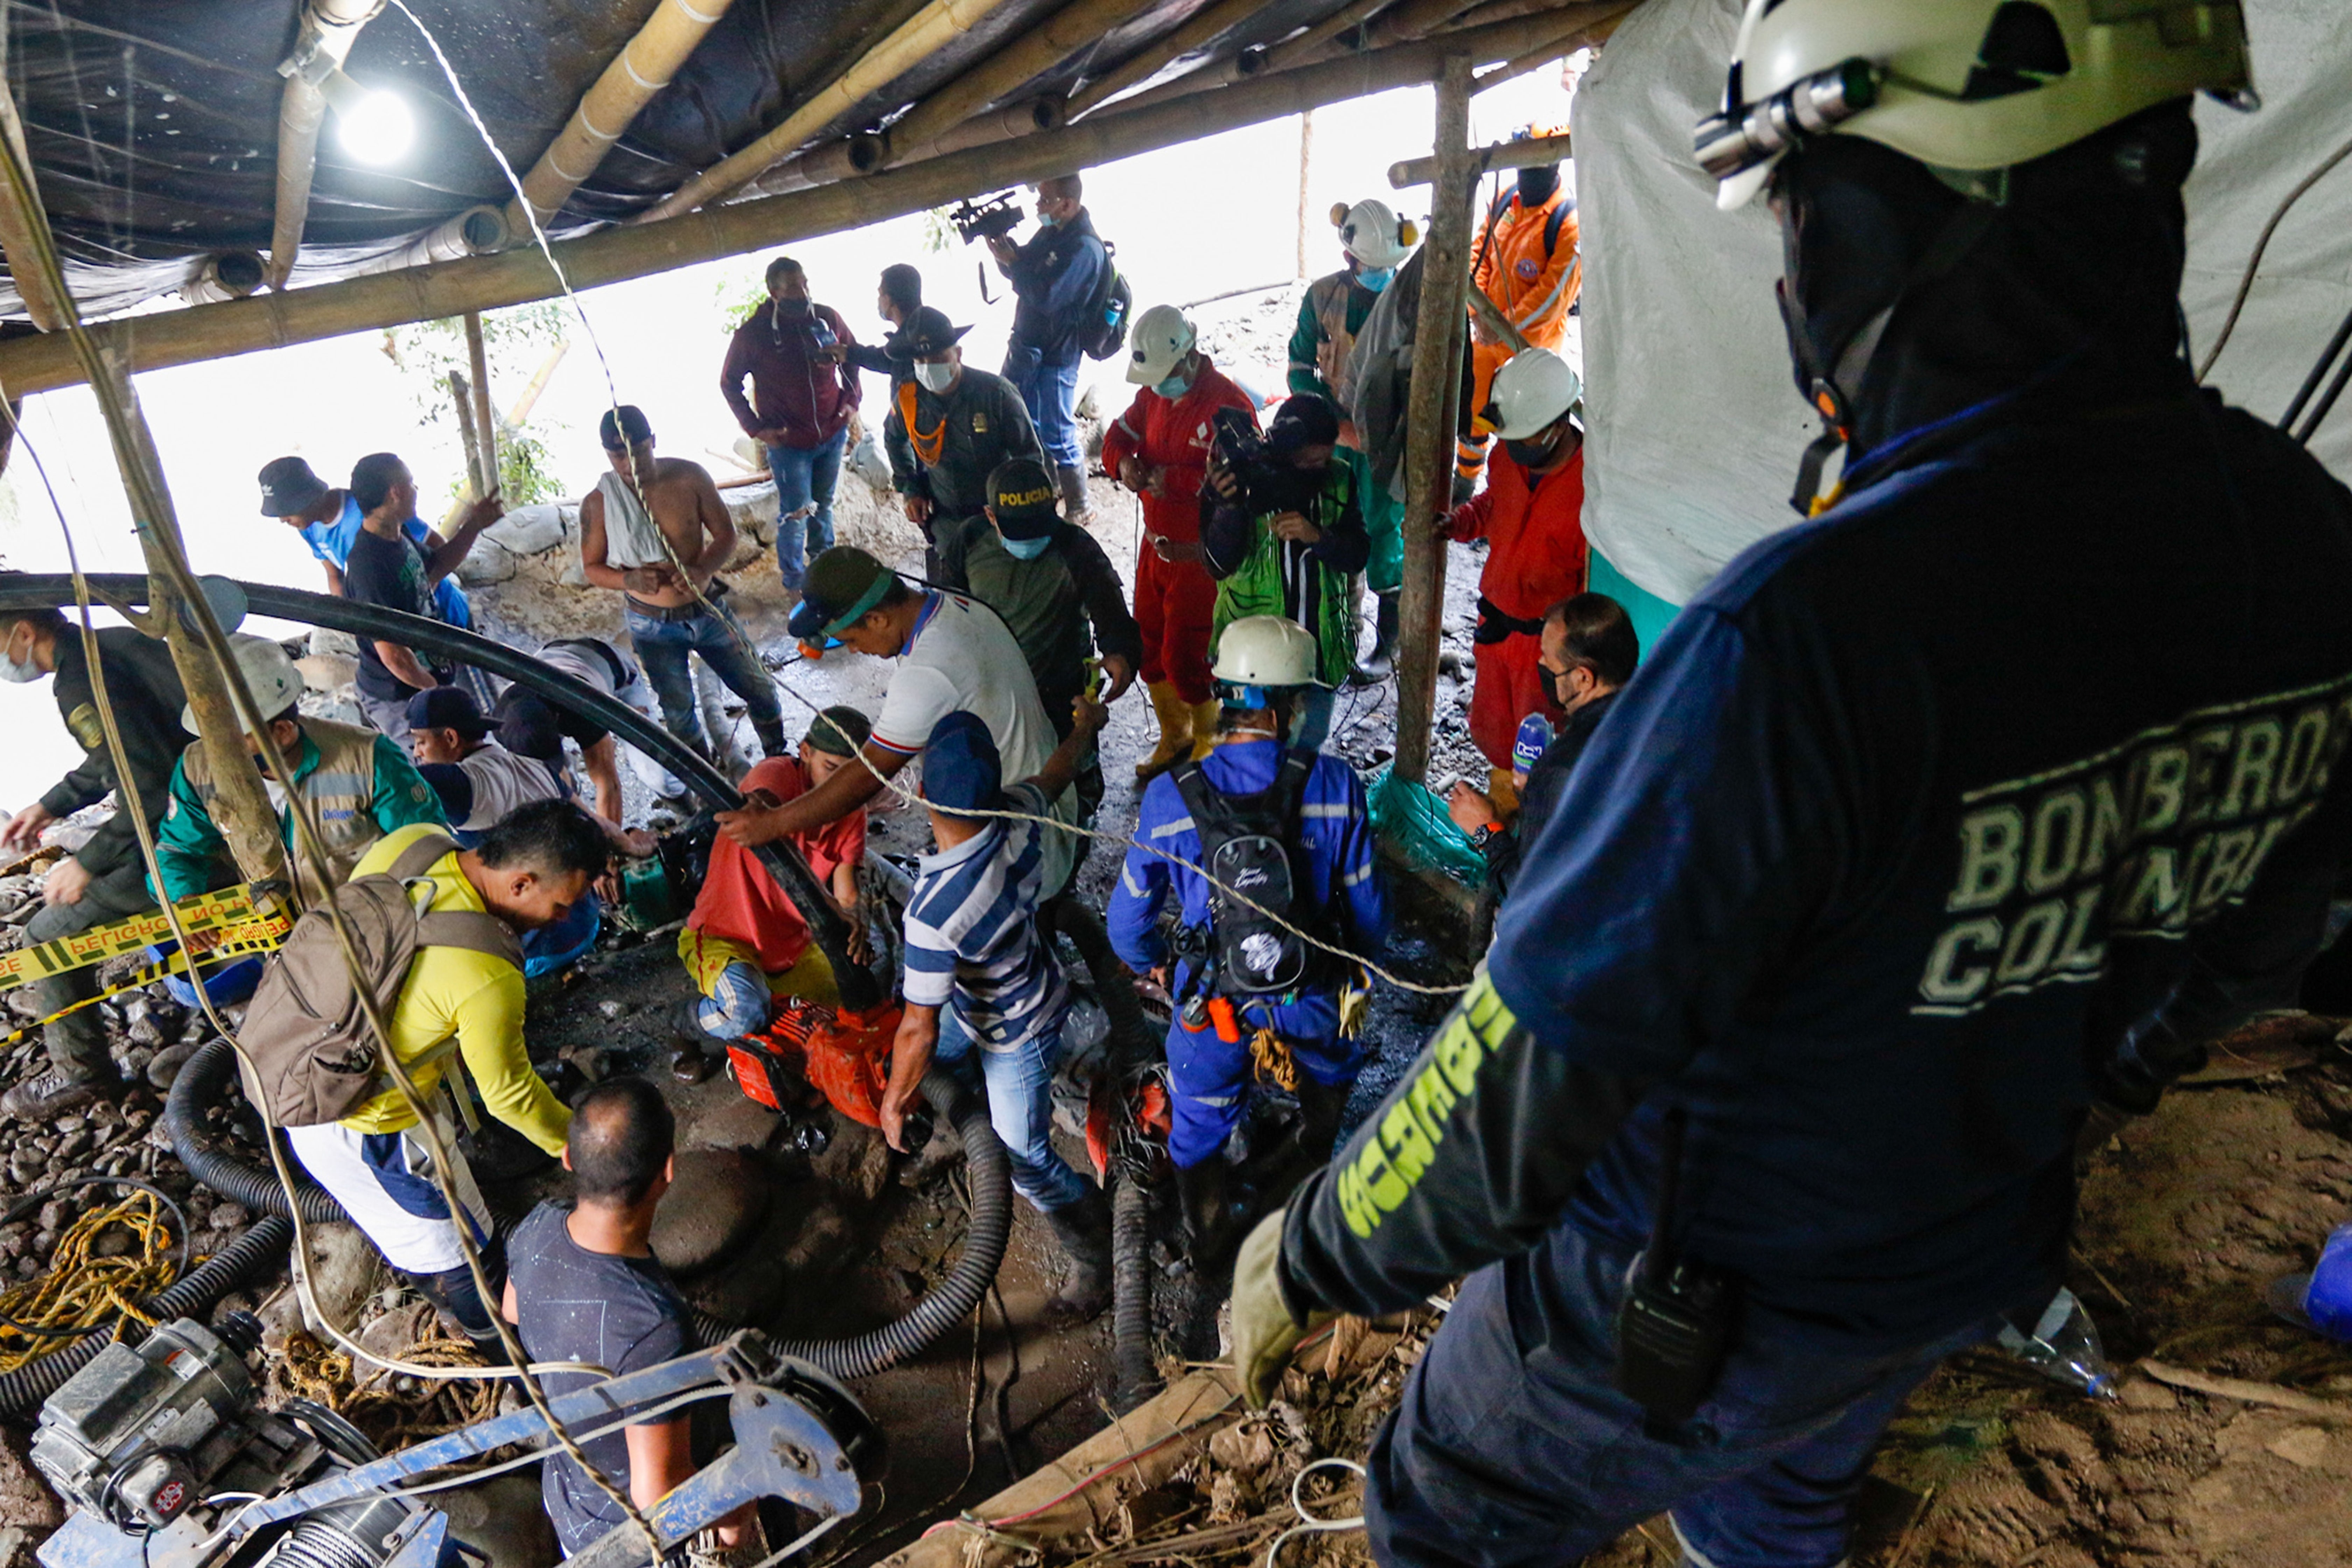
<point x="1282" y="532"/>
<point x="1054" y="278"/>
<point x="950" y="427"/>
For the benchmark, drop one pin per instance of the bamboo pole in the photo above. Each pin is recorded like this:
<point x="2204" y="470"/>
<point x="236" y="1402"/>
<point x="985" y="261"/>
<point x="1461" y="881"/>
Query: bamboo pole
<point x="518" y="276"/>
<point x="1306" y="163"/>
<point x="330" y="27"/>
<point x="485" y="424"/>
<point x="640" y="70"/>
<point x="462" y="395"/>
<point x="1395" y="24"/>
<point x="1005" y="72"/>
<point x="1534" y="150"/>
<point x="1208" y="23"/>
<point x="1430" y="420"/>
<point x="16" y="230"/>
<point x="930" y="29"/>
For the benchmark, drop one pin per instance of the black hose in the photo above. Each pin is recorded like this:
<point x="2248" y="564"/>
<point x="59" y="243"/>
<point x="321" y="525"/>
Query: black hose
<point x="954" y="1298"/>
<point x="1133" y="1043"/>
<point x="858" y="988"/>
<point x="202" y="1083"/>
<point x="23" y="1391"/>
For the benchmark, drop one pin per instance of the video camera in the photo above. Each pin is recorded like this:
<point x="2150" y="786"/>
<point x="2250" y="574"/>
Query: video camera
<point x="991" y="217"/>
<point x="1269" y="482"/>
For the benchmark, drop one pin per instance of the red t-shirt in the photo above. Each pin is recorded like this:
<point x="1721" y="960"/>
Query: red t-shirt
<point x="740" y="902"/>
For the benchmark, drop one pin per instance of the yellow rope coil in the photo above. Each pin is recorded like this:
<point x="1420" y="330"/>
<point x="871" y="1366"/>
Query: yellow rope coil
<point x="82" y="1290"/>
<point x="392" y="1416"/>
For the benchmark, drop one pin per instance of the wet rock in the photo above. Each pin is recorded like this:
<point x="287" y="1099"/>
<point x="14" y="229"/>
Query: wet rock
<point x="231" y="1217"/>
<point x="488" y="562"/>
<point x="344" y="1265"/>
<point x="532" y="529"/>
<point x="502" y="1516"/>
<point x="735" y="1123"/>
<point x="857" y="1159"/>
<point x="718" y="1202"/>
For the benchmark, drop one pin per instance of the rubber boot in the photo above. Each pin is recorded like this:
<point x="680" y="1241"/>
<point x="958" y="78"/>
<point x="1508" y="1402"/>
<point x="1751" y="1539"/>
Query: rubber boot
<point x="1175" y="733"/>
<point x="1077" y="506"/>
<point x="1204" y="726"/>
<point x="1083" y="1229"/>
<point x="1379" y="665"/>
<point x="697" y="1052"/>
<point x="1319" y="1106"/>
<point x="1504" y="791"/>
<point x="1208" y="1230"/>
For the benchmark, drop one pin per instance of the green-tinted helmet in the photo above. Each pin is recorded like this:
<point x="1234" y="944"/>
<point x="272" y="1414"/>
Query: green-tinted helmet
<point x="1960" y="84"/>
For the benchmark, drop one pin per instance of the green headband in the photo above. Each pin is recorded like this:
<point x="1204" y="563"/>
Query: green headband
<point x="866" y="601"/>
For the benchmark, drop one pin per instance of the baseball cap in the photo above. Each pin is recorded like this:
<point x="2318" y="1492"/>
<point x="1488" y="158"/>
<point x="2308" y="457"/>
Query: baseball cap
<point x="627" y="420"/>
<point x="1022" y="496"/>
<point x="1306" y="420"/>
<point x="528" y="725"/>
<point x="926" y="331"/>
<point x="268" y="674"/>
<point x="448" y="708"/>
<point x="1534" y="734"/>
<point x="841" y="730"/>
<point x="841" y="584"/>
<point x="961" y="768"/>
<point x="290" y="487"/>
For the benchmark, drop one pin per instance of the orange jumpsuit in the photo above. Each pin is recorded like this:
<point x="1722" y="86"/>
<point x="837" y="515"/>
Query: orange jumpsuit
<point x="1532" y="286"/>
<point x="1534" y="529"/>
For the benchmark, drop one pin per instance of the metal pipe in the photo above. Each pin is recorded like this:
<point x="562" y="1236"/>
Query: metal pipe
<point x="329" y="30"/>
<point x="1527" y="154"/>
<point x="857" y="984"/>
<point x="929" y="30"/>
<point x="640" y="70"/>
<point x="922" y="133"/>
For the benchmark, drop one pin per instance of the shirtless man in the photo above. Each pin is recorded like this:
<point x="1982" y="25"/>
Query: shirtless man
<point x="620" y="548"/>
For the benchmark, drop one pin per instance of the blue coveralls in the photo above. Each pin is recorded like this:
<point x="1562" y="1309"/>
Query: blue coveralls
<point x="1211" y="1076"/>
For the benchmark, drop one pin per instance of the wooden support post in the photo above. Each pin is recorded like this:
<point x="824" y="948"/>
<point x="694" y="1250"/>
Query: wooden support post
<point x="1306" y="161"/>
<point x="1430" y="420"/>
<point x="485" y="424"/>
<point x="462" y="395"/>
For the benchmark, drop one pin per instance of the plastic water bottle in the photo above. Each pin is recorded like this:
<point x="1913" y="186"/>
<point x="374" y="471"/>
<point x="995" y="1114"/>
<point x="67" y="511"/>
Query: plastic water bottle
<point x="2063" y="1346"/>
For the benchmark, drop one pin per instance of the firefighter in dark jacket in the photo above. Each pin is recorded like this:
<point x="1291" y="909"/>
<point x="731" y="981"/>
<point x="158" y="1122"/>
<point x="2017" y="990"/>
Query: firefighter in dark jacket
<point x="1254" y="1002"/>
<point x="1589" y="652"/>
<point x="1929" y="824"/>
<point x="1055" y="277"/>
<point x="1055" y="591"/>
<point x="105" y="879"/>
<point x="950" y="424"/>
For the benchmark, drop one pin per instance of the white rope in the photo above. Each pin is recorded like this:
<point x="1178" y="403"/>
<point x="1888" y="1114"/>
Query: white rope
<point x="1310" y="1524"/>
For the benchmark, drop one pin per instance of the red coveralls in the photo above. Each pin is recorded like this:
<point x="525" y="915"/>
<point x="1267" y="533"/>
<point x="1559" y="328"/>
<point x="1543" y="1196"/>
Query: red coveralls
<point x="1174" y="599"/>
<point x="1535" y="558"/>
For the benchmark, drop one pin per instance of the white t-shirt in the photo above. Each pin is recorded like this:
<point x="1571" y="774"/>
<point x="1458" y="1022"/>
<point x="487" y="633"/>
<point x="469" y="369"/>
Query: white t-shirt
<point x="502" y="782"/>
<point x="962" y="658"/>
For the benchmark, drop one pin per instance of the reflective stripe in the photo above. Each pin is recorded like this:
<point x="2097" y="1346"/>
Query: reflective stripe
<point x="1356" y="878"/>
<point x="1327" y="810"/>
<point x="1170" y="829"/>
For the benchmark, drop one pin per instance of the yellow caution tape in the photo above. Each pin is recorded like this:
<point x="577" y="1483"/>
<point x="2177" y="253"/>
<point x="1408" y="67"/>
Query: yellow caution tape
<point x="203" y="912"/>
<point x="262" y="935"/>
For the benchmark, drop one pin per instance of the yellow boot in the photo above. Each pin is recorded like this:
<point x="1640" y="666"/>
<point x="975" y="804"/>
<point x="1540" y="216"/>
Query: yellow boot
<point x="1204" y="726"/>
<point x="1175" y="733"/>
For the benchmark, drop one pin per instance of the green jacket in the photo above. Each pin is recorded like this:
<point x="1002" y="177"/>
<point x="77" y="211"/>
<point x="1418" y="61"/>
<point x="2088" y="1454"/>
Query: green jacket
<point x="143" y="687"/>
<point x="360" y="785"/>
<point x="1060" y="607"/>
<point x="1313" y="584"/>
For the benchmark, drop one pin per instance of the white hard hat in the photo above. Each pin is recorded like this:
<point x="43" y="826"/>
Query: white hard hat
<point x="1531" y="391"/>
<point x="1266" y="650"/>
<point x="1373" y="234"/>
<point x="1162" y="336"/>
<point x="268" y="674"/>
<point x="1960" y="84"/>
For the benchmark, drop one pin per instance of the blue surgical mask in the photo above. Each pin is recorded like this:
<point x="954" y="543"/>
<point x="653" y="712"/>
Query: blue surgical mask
<point x="1026" y="549"/>
<point x="1175" y="387"/>
<point x="1376" y="277"/>
<point x="1047" y="220"/>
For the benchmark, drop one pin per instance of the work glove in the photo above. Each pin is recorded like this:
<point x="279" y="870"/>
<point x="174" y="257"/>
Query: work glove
<point x="1265" y="1333"/>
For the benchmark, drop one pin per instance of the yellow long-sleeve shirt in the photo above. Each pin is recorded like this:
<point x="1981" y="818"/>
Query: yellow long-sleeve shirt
<point x="454" y="992"/>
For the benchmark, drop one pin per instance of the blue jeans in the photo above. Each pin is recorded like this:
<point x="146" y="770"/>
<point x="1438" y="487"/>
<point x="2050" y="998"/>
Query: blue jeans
<point x="1512" y="1444"/>
<point x="806" y="478"/>
<point x="1019" y="1106"/>
<point x="663" y="647"/>
<point x="1050" y="392"/>
<point x="1315" y="718"/>
<point x="1209" y="1079"/>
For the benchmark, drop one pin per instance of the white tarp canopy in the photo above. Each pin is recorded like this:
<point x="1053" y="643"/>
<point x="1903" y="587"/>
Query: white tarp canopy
<point x="1696" y="426"/>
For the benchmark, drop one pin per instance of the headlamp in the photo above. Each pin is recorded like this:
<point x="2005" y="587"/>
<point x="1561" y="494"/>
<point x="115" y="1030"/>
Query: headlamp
<point x="1745" y="135"/>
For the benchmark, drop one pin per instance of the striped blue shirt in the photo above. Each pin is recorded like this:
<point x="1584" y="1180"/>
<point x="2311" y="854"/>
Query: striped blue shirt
<point x="971" y="932"/>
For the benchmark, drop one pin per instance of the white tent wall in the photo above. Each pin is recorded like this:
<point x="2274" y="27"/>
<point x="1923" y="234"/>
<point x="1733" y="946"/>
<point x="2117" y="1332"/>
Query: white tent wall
<point x="1696" y="426"/>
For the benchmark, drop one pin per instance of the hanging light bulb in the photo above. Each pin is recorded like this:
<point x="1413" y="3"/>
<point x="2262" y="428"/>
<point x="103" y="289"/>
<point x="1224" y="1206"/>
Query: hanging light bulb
<point x="373" y="123"/>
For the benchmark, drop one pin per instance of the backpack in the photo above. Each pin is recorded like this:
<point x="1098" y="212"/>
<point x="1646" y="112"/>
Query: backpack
<point x="309" y="1056"/>
<point x="1250" y="844"/>
<point x="1103" y="334"/>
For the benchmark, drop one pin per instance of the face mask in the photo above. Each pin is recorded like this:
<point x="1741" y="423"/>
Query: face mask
<point x="10" y="670"/>
<point x="1175" y="386"/>
<point x="1376" y="277"/>
<point x="1047" y="220"/>
<point x="1532" y="454"/>
<point x="935" y="377"/>
<point x="1026" y="549"/>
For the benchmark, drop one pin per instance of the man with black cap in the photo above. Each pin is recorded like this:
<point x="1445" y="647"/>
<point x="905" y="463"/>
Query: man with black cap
<point x="329" y="520"/>
<point x="979" y="974"/>
<point x="1284" y="536"/>
<point x="950" y="424"/>
<point x="954" y="655"/>
<point x="1056" y="590"/>
<point x="655" y="529"/>
<point x="105" y="879"/>
<point x="388" y="567"/>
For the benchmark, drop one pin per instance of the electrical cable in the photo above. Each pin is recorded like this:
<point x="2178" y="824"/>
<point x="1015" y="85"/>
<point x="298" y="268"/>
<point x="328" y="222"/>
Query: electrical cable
<point x="2246" y="279"/>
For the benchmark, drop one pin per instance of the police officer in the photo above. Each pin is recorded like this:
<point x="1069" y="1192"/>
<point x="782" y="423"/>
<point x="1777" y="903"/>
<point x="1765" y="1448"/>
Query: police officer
<point x="1929" y="824"/>
<point x="1255" y="1002"/>
<point x="105" y="879"/>
<point x="950" y="425"/>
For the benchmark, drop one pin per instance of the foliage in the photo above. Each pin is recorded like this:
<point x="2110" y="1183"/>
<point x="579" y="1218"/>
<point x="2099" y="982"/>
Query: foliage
<point x="515" y="341"/>
<point x="938" y="235"/>
<point x="526" y="470"/>
<point x="739" y="295"/>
